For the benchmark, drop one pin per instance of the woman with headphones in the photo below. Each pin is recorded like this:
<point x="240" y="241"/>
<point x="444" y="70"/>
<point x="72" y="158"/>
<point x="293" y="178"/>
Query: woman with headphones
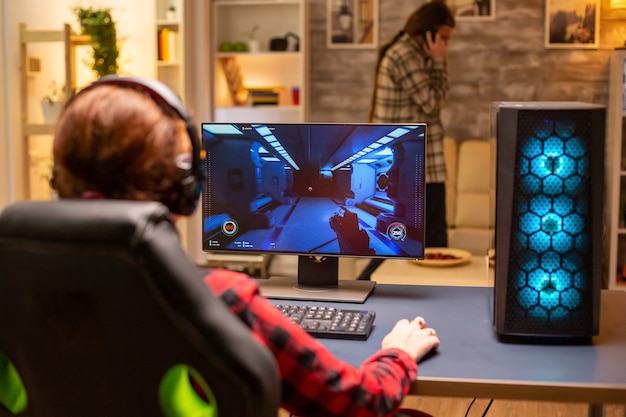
<point x="128" y="138"/>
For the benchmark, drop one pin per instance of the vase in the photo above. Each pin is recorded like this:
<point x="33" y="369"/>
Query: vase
<point x="51" y="110"/>
<point x="254" y="46"/>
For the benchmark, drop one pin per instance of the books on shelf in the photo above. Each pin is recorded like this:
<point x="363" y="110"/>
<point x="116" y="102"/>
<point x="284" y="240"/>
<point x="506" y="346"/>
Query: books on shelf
<point x="168" y="45"/>
<point x="264" y="96"/>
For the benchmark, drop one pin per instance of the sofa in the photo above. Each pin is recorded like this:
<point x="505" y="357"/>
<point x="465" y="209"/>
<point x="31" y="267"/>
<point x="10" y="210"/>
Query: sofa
<point x="470" y="195"/>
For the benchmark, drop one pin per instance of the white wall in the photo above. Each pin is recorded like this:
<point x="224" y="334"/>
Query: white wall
<point x="137" y="41"/>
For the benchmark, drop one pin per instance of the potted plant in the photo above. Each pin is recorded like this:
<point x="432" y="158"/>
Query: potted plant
<point x="170" y="13"/>
<point x="100" y="26"/>
<point x="53" y="102"/>
<point x="253" y="43"/>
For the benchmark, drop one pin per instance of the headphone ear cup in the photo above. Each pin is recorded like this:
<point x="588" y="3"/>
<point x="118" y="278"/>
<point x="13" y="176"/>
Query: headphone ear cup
<point x="191" y="178"/>
<point x="188" y="187"/>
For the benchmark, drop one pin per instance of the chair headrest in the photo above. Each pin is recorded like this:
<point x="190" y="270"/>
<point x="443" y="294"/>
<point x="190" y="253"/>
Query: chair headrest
<point x="107" y="220"/>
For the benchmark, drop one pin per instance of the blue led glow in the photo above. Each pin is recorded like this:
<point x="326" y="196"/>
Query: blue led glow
<point x="553" y="147"/>
<point x="551" y="223"/>
<point x="528" y="297"/>
<point x="550" y="237"/>
<point x="550" y="261"/>
<point x="581" y="243"/>
<point x="541" y="204"/>
<point x="549" y="298"/>
<point x="562" y="205"/>
<point x="532" y="184"/>
<point x="573" y="185"/>
<point x="575" y="148"/>
<point x="540" y="241"/>
<point x="562" y="280"/>
<point x="564" y="128"/>
<point x="579" y="280"/>
<point x="553" y="185"/>
<point x="562" y="242"/>
<point x="529" y="222"/>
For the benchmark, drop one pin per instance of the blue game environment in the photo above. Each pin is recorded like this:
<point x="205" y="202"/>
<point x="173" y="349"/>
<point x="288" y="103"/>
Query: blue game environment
<point x="315" y="189"/>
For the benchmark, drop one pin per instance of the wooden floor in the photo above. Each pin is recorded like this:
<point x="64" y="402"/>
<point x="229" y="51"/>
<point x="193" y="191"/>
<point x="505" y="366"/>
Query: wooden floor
<point x="458" y="407"/>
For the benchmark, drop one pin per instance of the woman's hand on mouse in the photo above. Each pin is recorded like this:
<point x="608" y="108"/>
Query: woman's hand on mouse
<point x="414" y="337"/>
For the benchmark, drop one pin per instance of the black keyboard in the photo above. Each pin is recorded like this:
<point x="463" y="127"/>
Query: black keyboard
<point x="331" y="322"/>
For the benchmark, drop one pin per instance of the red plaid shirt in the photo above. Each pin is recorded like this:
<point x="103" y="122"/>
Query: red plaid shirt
<point x="314" y="382"/>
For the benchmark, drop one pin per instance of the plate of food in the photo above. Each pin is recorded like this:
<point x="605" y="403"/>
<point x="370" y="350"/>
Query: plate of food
<point x="444" y="257"/>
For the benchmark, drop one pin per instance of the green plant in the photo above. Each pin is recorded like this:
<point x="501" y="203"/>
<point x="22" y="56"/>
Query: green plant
<point x="251" y="34"/>
<point x="100" y="26"/>
<point x="56" y="92"/>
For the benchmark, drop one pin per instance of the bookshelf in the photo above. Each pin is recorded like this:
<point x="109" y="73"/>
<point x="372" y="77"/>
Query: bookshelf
<point x="170" y="41"/>
<point x="265" y="66"/>
<point x="31" y="159"/>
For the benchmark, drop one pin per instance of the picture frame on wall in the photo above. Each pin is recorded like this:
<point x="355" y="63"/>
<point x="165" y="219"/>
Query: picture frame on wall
<point x="352" y="24"/>
<point x="572" y="24"/>
<point x="473" y="9"/>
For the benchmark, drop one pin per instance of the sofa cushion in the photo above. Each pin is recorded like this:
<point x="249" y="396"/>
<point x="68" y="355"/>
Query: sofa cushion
<point x="469" y="195"/>
<point x="473" y="194"/>
<point x="450" y="149"/>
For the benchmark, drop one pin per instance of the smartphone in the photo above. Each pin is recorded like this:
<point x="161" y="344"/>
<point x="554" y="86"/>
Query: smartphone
<point x="433" y="32"/>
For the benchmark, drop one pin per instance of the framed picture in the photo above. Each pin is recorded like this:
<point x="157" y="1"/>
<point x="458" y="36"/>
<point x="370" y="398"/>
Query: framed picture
<point x="572" y="24"/>
<point x="473" y="9"/>
<point x="352" y="23"/>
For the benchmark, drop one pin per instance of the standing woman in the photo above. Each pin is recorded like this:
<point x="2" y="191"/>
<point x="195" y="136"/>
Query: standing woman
<point x="411" y="85"/>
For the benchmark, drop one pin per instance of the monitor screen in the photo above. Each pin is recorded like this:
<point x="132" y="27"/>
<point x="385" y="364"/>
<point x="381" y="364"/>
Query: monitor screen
<point x="315" y="190"/>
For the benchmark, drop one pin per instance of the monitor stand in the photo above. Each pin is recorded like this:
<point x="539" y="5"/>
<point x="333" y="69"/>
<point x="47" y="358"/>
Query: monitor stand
<point x="318" y="280"/>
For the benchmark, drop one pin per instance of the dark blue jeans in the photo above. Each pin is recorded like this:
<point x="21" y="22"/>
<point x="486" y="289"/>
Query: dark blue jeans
<point x="436" y="226"/>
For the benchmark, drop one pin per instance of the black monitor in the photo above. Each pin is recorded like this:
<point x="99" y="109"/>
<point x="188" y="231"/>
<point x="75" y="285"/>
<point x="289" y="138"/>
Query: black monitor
<point x="318" y="191"/>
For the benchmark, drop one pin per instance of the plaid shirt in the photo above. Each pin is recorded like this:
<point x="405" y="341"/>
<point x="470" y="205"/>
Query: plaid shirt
<point x="411" y="87"/>
<point x="314" y="382"/>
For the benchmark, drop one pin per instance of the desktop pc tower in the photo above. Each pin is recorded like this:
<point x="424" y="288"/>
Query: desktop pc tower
<point x="549" y="180"/>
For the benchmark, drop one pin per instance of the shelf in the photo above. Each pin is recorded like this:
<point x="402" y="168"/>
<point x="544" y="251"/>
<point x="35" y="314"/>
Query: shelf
<point x="37" y="129"/>
<point x="169" y="63"/>
<point x="254" y="2"/>
<point x="262" y="114"/>
<point x="264" y="54"/>
<point x="168" y="23"/>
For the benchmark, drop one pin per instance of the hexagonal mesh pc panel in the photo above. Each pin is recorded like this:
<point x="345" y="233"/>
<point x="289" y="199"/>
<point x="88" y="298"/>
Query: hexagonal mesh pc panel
<point x="549" y="264"/>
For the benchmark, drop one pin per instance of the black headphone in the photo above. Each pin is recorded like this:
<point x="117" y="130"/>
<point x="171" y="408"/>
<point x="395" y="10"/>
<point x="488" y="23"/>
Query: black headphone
<point x="189" y="187"/>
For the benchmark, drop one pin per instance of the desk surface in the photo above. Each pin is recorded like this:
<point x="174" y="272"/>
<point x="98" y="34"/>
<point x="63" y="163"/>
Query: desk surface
<point x="471" y="361"/>
<point x="473" y="273"/>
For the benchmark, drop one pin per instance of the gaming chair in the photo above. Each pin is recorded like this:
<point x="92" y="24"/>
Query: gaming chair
<point x="103" y="314"/>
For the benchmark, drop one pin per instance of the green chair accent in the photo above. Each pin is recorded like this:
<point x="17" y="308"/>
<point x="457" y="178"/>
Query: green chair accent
<point x="12" y="391"/>
<point x="179" y="398"/>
